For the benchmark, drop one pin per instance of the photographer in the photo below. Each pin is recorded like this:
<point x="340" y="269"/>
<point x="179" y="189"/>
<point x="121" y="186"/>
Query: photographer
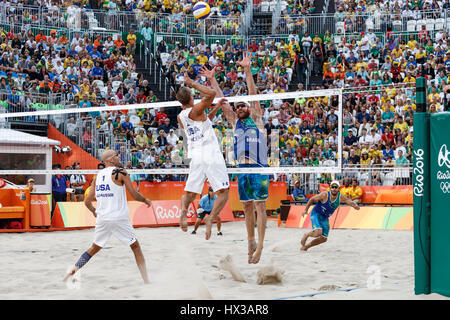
<point x="77" y="182"/>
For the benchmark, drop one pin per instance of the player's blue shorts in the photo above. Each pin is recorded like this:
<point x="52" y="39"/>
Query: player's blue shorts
<point x="253" y="186"/>
<point x="319" y="221"/>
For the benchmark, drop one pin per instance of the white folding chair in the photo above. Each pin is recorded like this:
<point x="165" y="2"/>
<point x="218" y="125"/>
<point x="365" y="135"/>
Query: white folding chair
<point x="429" y="25"/>
<point x="340" y="26"/>
<point x="389" y="179"/>
<point x="264" y="6"/>
<point x="439" y="24"/>
<point x="419" y="24"/>
<point x="135" y="120"/>
<point x="164" y="57"/>
<point x="411" y="25"/>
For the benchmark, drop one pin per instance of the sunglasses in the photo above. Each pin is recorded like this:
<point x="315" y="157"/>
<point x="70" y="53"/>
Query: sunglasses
<point x="242" y="105"/>
<point x="334" y="187"/>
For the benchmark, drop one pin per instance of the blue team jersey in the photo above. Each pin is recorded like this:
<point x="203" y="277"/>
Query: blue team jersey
<point x="327" y="208"/>
<point x="250" y="142"/>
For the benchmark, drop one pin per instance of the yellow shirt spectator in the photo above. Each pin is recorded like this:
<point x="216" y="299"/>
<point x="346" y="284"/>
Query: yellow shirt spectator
<point x="202" y="59"/>
<point x="84" y="88"/>
<point x="421" y="55"/>
<point x="67" y="62"/>
<point x="402" y="126"/>
<point x="292" y="142"/>
<point x="220" y="54"/>
<point x="361" y="64"/>
<point x="412" y="44"/>
<point x="345" y="191"/>
<point x="431" y="95"/>
<point x="413" y="106"/>
<point x="409" y="79"/>
<point x="355" y="192"/>
<point x="293" y="129"/>
<point x="131" y="38"/>
<point x="89" y="62"/>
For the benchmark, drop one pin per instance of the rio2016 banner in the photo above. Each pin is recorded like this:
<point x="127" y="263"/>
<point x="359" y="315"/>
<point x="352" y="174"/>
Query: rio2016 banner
<point x="421" y="196"/>
<point x="440" y="200"/>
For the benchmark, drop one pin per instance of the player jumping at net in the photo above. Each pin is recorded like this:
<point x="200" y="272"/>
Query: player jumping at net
<point x="326" y="204"/>
<point x="250" y="150"/>
<point x="207" y="161"/>
<point x="112" y="213"/>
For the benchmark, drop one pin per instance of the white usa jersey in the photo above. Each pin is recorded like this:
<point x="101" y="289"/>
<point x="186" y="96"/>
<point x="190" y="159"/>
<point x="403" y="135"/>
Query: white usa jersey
<point x="201" y="137"/>
<point x="111" y="198"/>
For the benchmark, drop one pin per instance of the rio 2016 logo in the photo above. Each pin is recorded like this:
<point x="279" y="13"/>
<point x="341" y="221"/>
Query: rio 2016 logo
<point x="443" y="159"/>
<point x="173" y="212"/>
<point x="418" y="172"/>
<point x="443" y="156"/>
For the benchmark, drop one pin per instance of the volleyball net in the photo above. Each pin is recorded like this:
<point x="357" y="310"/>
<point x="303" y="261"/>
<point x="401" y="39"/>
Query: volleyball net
<point x="303" y="132"/>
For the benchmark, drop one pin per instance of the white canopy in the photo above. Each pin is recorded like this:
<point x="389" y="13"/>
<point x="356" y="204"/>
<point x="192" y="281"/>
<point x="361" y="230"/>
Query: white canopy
<point x="9" y="136"/>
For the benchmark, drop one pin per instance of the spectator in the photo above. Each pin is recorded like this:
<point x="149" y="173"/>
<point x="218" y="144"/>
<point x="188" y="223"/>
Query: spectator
<point x="59" y="186"/>
<point x="355" y="192"/>
<point x="298" y="194"/>
<point x="77" y="182"/>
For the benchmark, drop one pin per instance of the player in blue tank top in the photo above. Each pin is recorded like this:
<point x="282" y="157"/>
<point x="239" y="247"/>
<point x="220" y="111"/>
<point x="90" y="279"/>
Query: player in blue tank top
<point x="326" y="204"/>
<point x="250" y="146"/>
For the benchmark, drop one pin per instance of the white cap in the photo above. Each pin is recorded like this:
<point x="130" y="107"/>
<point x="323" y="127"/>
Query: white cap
<point x="336" y="183"/>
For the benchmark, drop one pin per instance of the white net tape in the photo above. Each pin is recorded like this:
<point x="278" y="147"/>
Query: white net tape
<point x="335" y="167"/>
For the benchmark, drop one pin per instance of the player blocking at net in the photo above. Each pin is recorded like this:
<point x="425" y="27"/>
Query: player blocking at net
<point x="250" y="150"/>
<point x="207" y="161"/>
<point x="113" y="218"/>
<point x="326" y="204"/>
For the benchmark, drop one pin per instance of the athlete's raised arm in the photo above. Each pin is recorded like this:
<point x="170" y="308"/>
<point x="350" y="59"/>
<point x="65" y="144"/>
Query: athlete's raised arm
<point x="228" y="111"/>
<point x="198" y="111"/>
<point x="255" y="111"/>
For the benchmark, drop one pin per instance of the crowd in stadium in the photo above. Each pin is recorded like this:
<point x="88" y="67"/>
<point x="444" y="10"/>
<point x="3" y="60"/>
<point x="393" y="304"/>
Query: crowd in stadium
<point x="377" y="73"/>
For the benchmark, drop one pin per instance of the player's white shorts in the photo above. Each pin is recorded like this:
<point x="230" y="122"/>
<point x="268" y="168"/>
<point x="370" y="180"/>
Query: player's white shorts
<point x="121" y="229"/>
<point x="212" y="168"/>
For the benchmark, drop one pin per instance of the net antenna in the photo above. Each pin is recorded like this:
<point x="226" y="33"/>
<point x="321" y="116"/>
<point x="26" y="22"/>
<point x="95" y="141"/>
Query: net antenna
<point x="65" y="113"/>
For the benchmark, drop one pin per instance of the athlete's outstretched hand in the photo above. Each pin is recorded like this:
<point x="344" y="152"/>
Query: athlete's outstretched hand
<point x="187" y="80"/>
<point x="148" y="202"/>
<point x="209" y="74"/>
<point x="245" y="61"/>
<point x="222" y="102"/>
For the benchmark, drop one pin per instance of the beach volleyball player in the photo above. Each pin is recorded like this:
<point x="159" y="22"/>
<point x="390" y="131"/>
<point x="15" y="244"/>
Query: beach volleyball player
<point x="326" y="204"/>
<point x="250" y="150"/>
<point x="112" y="213"/>
<point x="207" y="160"/>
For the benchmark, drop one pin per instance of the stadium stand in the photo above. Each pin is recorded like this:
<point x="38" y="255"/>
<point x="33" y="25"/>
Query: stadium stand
<point x="136" y="52"/>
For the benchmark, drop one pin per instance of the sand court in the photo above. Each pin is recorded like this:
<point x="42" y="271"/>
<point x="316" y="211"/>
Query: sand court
<point x="353" y="264"/>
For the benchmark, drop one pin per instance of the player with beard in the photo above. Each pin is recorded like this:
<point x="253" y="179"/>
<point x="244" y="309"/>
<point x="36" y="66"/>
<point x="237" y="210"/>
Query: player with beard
<point x="250" y="150"/>
<point x="326" y="204"/>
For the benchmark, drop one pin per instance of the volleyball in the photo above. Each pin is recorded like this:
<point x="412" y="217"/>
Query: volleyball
<point x="201" y="10"/>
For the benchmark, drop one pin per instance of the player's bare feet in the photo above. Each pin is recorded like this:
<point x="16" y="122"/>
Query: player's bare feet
<point x="251" y="250"/>
<point x="71" y="273"/>
<point x="183" y="221"/>
<point x="304" y="238"/>
<point x="208" y="225"/>
<point x="257" y="255"/>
